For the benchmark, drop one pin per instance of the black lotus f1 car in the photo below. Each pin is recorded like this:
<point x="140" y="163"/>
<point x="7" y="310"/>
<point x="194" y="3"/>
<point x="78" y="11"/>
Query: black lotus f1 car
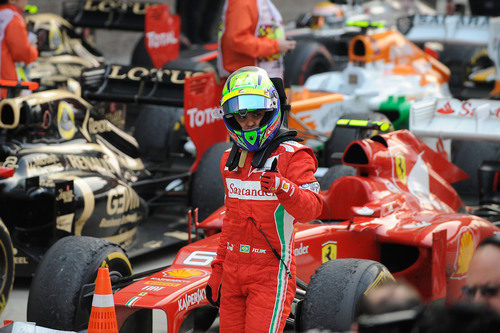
<point x="76" y="173"/>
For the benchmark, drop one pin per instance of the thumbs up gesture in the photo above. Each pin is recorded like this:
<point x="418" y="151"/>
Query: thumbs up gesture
<point x="272" y="181"/>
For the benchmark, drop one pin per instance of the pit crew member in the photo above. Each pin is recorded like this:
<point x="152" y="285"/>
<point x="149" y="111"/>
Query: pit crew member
<point x="14" y="39"/>
<point x="252" y="34"/>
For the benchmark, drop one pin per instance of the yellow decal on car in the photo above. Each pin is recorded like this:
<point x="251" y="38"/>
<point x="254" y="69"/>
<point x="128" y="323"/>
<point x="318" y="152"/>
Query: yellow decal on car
<point x="383" y="276"/>
<point x="160" y="283"/>
<point x="329" y="251"/>
<point x="400" y="162"/>
<point x="465" y="252"/>
<point x="184" y="273"/>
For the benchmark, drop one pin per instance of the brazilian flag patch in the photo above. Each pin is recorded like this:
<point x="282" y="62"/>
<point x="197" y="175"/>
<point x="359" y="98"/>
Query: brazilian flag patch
<point x="244" y="248"/>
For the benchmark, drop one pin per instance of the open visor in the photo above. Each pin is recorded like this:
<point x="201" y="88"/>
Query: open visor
<point x="247" y="102"/>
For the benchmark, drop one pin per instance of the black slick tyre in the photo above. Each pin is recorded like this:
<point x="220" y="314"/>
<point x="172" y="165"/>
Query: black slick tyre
<point x="335" y="172"/>
<point x="140" y="56"/>
<point x="334" y="291"/>
<point x="68" y="265"/>
<point x="468" y="156"/>
<point x="6" y="265"/>
<point x="207" y="188"/>
<point x="154" y="131"/>
<point x="306" y="59"/>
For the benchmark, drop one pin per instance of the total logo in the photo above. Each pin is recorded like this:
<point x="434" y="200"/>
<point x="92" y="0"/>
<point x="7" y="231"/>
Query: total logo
<point x="192" y="299"/>
<point x="298" y="251"/>
<point x="198" y="118"/>
<point x="156" y="40"/>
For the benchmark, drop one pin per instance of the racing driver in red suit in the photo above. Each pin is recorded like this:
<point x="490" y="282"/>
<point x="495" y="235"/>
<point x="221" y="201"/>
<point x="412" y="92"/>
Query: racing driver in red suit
<point x="269" y="184"/>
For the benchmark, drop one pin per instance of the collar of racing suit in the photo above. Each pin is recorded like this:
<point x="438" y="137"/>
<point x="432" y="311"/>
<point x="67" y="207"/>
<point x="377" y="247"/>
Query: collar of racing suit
<point x="260" y="157"/>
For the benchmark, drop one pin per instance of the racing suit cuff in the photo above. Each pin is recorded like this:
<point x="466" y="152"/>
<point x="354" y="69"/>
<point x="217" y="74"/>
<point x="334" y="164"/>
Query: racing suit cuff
<point x="303" y="204"/>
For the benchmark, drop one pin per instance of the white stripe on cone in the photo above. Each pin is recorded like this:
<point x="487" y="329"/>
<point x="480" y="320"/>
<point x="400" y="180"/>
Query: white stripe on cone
<point x="103" y="301"/>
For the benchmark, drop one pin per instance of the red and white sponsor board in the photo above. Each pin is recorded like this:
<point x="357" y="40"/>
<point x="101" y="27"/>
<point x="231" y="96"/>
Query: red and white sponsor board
<point x="201" y="99"/>
<point x="162" y="32"/>
<point x="449" y="118"/>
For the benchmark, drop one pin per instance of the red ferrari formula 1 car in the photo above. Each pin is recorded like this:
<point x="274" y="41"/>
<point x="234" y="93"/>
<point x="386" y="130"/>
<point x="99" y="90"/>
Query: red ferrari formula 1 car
<point x="398" y="215"/>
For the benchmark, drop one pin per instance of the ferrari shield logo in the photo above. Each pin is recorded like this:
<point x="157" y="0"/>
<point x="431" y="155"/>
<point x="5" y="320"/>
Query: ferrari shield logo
<point x="401" y="168"/>
<point x="329" y="251"/>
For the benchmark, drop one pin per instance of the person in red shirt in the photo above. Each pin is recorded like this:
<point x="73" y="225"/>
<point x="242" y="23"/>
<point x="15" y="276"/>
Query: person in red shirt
<point x="15" y="45"/>
<point x="252" y="34"/>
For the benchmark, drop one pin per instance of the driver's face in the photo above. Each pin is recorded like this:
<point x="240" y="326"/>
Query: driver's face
<point x="251" y="120"/>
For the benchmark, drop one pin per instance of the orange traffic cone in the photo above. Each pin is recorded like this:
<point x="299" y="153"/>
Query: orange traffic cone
<point x="102" y="315"/>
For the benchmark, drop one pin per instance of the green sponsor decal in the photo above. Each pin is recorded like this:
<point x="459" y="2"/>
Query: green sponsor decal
<point x="32" y="9"/>
<point x="251" y="137"/>
<point x="397" y="108"/>
<point x="365" y="24"/>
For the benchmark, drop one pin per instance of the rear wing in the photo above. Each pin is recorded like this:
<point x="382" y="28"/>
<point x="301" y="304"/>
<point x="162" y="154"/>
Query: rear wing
<point x="472" y="30"/>
<point x="449" y="118"/>
<point x="198" y="93"/>
<point x="135" y="84"/>
<point x="108" y="14"/>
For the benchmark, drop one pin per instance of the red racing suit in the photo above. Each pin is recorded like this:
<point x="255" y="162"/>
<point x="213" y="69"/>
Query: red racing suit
<point x="14" y="43"/>
<point x="256" y="292"/>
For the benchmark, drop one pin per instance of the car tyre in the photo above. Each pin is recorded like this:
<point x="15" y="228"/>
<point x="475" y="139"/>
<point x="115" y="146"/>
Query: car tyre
<point x="334" y="291"/>
<point x="458" y="58"/>
<point x="468" y="156"/>
<point x="207" y="188"/>
<point x="140" y="56"/>
<point x="306" y="59"/>
<point x="69" y="264"/>
<point x="155" y="131"/>
<point x="6" y="265"/>
<point x="335" y="172"/>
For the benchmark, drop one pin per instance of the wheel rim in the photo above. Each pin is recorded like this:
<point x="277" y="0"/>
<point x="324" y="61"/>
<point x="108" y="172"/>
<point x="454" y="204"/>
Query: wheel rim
<point x="4" y="269"/>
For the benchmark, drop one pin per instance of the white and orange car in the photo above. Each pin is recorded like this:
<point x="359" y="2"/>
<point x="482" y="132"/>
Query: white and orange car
<point x="385" y="74"/>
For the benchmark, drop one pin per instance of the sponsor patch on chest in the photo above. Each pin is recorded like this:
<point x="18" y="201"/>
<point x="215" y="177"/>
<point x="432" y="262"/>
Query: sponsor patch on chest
<point x="247" y="190"/>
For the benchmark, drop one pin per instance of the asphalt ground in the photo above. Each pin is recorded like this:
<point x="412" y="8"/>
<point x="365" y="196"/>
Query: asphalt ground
<point x="117" y="47"/>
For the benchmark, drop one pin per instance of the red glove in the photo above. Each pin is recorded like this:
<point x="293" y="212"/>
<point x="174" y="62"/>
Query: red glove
<point x="273" y="182"/>
<point x="214" y="283"/>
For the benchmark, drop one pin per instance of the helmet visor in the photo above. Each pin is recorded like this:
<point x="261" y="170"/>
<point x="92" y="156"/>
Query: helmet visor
<point x="247" y="103"/>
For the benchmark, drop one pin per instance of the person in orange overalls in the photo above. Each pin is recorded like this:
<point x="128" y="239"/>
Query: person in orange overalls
<point x="15" y="43"/>
<point x="252" y="34"/>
